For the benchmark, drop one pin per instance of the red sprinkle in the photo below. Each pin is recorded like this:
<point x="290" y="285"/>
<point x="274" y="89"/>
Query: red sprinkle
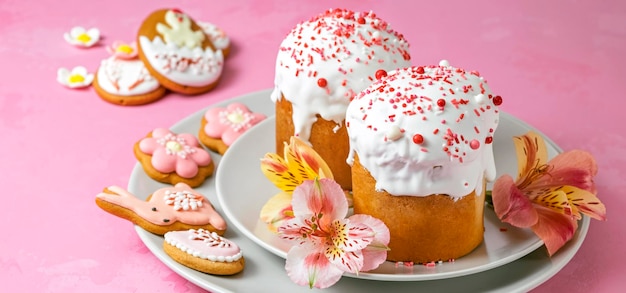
<point x="474" y="144"/>
<point x="497" y="100"/>
<point x="420" y="70"/>
<point x="503" y="229"/>
<point x="488" y="140"/>
<point x="322" y="82"/>
<point x="418" y="139"/>
<point x="361" y="20"/>
<point x="380" y="73"/>
<point x="441" y="102"/>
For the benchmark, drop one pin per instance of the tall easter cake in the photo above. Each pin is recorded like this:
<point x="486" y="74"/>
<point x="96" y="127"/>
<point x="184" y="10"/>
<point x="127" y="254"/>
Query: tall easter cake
<point x="421" y="152"/>
<point x="321" y="65"/>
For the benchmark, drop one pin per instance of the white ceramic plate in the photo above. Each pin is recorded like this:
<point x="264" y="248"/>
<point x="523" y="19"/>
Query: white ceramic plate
<point x="496" y="270"/>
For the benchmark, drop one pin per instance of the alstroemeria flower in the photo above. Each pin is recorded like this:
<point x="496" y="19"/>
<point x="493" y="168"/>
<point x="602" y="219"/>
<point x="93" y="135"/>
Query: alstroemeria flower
<point x="299" y="163"/>
<point x="80" y="37"/>
<point x="122" y="50"/>
<point x="326" y="243"/>
<point x="548" y="196"/>
<point x="78" y="77"/>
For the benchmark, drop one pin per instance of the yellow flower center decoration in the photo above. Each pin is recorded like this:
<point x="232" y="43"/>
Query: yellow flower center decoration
<point x="84" y="38"/>
<point x="76" y="78"/>
<point x="173" y="146"/>
<point x="124" y="49"/>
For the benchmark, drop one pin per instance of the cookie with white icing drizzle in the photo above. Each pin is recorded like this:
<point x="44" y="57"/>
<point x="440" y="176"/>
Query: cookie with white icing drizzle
<point x="176" y="51"/>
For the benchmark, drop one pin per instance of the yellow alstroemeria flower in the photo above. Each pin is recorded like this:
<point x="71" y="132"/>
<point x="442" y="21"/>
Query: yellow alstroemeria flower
<point x="298" y="164"/>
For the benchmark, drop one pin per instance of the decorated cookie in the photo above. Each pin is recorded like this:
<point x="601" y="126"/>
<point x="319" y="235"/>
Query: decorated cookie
<point x="204" y="251"/>
<point x="172" y="158"/>
<point x="123" y="79"/>
<point x="218" y="37"/>
<point x="167" y="209"/>
<point x="220" y="127"/>
<point x="178" y="53"/>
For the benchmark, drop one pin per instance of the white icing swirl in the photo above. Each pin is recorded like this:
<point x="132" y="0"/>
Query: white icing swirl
<point x="446" y="117"/>
<point x="125" y="77"/>
<point x="324" y="62"/>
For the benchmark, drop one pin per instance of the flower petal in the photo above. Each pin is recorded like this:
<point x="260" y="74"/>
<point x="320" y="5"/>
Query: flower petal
<point x="585" y="202"/>
<point x="308" y="157"/>
<point x="554" y="199"/>
<point x="277" y="210"/>
<point x="307" y="266"/>
<point x="323" y="198"/>
<point x="350" y="236"/>
<point x="511" y="205"/>
<point x="186" y="168"/>
<point x="575" y="168"/>
<point x="347" y="261"/>
<point x="162" y="161"/>
<point x="376" y="251"/>
<point x="276" y="170"/>
<point x="554" y="229"/>
<point x="531" y="151"/>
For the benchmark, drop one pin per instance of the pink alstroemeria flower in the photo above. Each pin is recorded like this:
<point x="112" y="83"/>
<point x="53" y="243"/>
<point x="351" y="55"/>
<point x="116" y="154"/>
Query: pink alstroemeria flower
<point x="326" y="243"/>
<point x="548" y="196"/>
<point x="298" y="164"/>
<point x="122" y="50"/>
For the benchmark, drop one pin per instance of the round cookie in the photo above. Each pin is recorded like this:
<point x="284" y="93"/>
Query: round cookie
<point x="126" y="82"/>
<point x="220" y="127"/>
<point x="204" y="251"/>
<point x="172" y="158"/>
<point x="167" y="209"/>
<point x="178" y="53"/>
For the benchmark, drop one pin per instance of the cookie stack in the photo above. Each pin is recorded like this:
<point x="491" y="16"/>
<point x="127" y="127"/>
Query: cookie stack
<point x="172" y="52"/>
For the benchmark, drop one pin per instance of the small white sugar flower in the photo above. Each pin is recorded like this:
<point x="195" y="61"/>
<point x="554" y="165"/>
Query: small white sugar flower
<point x="80" y="37"/>
<point x="78" y="77"/>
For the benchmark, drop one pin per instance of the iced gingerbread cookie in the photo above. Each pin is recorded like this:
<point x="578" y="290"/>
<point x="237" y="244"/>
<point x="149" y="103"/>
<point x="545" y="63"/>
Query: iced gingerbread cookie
<point x="172" y="158"/>
<point x="204" y="251"/>
<point x="218" y="37"/>
<point x="220" y="127"/>
<point x="167" y="209"/>
<point x="178" y="53"/>
<point x="123" y="79"/>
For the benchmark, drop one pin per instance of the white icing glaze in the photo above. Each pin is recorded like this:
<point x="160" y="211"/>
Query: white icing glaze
<point x="441" y="149"/>
<point x="125" y="77"/>
<point x="217" y="36"/>
<point x="193" y="67"/>
<point x="204" y="244"/>
<point x="343" y="48"/>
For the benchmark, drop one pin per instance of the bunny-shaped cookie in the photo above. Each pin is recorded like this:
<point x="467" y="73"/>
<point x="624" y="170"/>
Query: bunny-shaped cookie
<point x="167" y="209"/>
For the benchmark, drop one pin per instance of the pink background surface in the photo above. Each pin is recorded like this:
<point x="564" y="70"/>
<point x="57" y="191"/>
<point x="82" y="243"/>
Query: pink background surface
<point x="558" y="65"/>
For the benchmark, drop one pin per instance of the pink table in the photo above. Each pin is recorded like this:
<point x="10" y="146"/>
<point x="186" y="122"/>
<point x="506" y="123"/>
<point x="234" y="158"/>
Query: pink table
<point x="558" y="65"/>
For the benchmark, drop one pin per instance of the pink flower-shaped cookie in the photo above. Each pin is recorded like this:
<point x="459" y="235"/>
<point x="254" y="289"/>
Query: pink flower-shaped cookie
<point x="231" y="122"/>
<point x="180" y="153"/>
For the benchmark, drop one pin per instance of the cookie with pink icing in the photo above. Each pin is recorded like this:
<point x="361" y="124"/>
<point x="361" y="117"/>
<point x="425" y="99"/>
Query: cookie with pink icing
<point x="204" y="251"/>
<point x="220" y="127"/>
<point x="178" y="53"/>
<point x="172" y="158"/>
<point x="122" y="78"/>
<point x="167" y="209"/>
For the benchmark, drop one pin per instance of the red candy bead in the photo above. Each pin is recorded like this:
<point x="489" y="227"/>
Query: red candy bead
<point x="322" y="82"/>
<point x="441" y="102"/>
<point x="497" y="100"/>
<point x="420" y="70"/>
<point x="488" y="140"/>
<point x="361" y="20"/>
<point x="380" y="73"/>
<point x="474" y="144"/>
<point x="418" y="139"/>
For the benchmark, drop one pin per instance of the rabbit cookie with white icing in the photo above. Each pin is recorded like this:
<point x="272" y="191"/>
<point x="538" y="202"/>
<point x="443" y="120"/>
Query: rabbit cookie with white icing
<point x="172" y="208"/>
<point x="178" y="53"/>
